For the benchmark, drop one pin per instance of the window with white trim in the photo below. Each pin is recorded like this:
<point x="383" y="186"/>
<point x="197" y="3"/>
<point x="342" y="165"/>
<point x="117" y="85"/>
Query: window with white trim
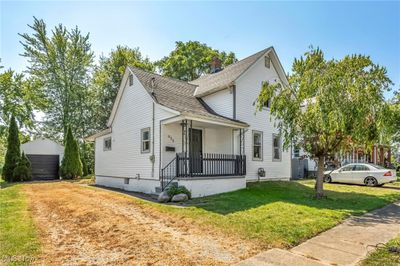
<point x="145" y="140"/>
<point x="276" y="148"/>
<point x="257" y="145"/>
<point x="267" y="103"/>
<point x="107" y="144"/>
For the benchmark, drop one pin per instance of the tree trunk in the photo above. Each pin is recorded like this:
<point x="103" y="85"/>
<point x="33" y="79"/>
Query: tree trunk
<point x="319" y="186"/>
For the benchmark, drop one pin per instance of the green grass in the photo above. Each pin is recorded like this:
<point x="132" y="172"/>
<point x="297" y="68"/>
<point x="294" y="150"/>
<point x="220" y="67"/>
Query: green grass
<point x="382" y="256"/>
<point x="283" y="213"/>
<point x="18" y="236"/>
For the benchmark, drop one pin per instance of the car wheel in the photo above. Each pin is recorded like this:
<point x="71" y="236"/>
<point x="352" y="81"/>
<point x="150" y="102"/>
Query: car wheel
<point x="370" y="181"/>
<point x="327" y="179"/>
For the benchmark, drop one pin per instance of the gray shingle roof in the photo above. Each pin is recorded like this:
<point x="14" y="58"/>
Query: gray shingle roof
<point x="178" y="95"/>
<point x="213" y="82"/>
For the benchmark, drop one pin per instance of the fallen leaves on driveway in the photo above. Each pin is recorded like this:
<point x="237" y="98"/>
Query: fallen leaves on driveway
<point x="81" y="226"/>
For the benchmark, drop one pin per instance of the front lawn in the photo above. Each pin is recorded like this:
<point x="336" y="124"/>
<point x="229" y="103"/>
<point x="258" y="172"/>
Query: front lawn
<point x="382" y="256"/>
<point x="284" y="213"/>
<point x="268" y="214"/>
<point x="18" y="237"/>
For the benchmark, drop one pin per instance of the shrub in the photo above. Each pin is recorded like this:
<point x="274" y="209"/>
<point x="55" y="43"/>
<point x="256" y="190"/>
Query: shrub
<point x="23" y="171"/>
<point x="13" y="152"/>
<point x="71" y="165"/>
<point x="173" y="190"/>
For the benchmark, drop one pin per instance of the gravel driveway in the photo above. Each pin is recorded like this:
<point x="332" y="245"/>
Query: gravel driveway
<point x="83" y="226"/>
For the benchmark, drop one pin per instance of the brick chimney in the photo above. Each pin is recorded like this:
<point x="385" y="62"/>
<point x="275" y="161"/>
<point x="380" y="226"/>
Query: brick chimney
<point x="216" y="65"/>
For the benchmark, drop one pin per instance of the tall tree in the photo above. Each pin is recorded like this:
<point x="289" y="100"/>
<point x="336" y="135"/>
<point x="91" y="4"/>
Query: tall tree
<point x="71" y="165"/>
<point x="18" y="96"/>
<point x="189" y="60"/>
<point x="61" y="62"/>
<point x="13" y="151"/>
<point x="328" y="103"/>
<point x="108" y="75"/>
<point x="393" y="123"/>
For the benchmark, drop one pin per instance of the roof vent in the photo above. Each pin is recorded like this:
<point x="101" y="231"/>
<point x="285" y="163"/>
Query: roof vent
<point x="216" y="65"/>
<point x="267" y="61"/>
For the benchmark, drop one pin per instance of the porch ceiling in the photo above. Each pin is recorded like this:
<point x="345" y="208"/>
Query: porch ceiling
<point x="205" y="122"/>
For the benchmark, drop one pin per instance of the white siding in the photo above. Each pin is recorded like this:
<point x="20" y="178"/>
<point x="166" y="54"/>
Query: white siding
<point x="247" y="89"/>
<point x="221" y="102"/>
<point x="43" y="147"/>
<point x="138" y="185"/>
<point x="125" y="159"/>
<point x="218" y="140"/>
<point x="172" y="137"/>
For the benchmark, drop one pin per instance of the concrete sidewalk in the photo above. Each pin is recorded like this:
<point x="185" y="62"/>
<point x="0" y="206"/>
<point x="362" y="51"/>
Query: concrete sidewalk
<point x="345" y="244"/>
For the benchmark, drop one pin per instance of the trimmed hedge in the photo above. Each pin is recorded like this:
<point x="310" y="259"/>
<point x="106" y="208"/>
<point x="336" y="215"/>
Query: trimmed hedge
<point x="172" y="191"/>
<point x="23" y="171"/>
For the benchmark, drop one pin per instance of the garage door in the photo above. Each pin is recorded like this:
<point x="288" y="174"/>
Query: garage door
<point x="44" y="166"/>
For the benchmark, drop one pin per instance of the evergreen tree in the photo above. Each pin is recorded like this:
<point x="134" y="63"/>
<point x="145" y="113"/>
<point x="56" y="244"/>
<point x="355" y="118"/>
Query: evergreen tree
<point x="71" y="165"/>
<point x="85" y="170"/>
<point x="23" y="171"/>
<point x="13" y="151"/>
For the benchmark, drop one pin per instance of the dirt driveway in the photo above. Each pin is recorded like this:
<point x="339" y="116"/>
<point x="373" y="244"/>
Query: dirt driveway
<point x="83" y="226"/>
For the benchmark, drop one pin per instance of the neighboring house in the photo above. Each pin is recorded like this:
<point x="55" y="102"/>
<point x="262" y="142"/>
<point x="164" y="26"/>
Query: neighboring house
<point x="45" y="156"/>
<point x="205" y="134"/>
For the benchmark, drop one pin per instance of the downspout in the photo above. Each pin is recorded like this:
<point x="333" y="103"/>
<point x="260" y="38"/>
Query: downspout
<point x="152" y="144"/>
<point x="234" y="101"/>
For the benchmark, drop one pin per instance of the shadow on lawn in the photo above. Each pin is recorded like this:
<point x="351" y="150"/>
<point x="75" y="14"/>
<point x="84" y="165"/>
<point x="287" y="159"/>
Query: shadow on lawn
<point x="264" y="193"/>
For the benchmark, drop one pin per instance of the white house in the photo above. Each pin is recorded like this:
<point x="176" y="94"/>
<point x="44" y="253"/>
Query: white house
<point x="205" y="134"/>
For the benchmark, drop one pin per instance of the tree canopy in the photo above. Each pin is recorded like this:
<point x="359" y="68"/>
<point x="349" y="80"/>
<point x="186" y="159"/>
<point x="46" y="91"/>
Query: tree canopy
<point x="189" y="60"/>
<point x="60" y="61"/>
<point x="393" y="121"/>
<point x="19" y="96"/>
<point x="328" y="103"/>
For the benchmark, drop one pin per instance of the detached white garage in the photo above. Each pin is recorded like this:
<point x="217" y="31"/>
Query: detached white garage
<point x="45" y="156"/>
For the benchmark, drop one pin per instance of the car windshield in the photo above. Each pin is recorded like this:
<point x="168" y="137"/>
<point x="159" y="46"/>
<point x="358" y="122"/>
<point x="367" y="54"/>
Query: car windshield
<point x="377" y="166"/>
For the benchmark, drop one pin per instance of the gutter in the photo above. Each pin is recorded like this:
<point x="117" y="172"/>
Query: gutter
<point x="98" y="134"/>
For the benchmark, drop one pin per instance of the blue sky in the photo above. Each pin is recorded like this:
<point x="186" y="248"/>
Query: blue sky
<point x="338" y="28"/>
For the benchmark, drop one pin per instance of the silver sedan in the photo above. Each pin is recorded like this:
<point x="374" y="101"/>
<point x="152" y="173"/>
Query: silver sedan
<point x="361" y="173"/>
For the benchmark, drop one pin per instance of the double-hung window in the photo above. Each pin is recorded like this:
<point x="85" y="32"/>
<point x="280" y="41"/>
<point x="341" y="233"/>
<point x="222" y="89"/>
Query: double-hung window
<point x="257" y="145"/>
<point x="145" y="140"/>
<point x="277" y="147"/>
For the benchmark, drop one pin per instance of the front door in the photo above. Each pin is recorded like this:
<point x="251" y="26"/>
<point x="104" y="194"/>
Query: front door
<point x="196" y="150"/>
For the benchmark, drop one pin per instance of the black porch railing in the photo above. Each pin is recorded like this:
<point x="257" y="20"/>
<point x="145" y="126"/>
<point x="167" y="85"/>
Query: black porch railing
<point x="210" y="164"/>
<point x="201" y="165"/>
<point x="168" y="174"/>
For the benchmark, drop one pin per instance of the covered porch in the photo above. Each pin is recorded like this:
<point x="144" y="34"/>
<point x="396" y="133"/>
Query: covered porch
<point x="195" y="148"/>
